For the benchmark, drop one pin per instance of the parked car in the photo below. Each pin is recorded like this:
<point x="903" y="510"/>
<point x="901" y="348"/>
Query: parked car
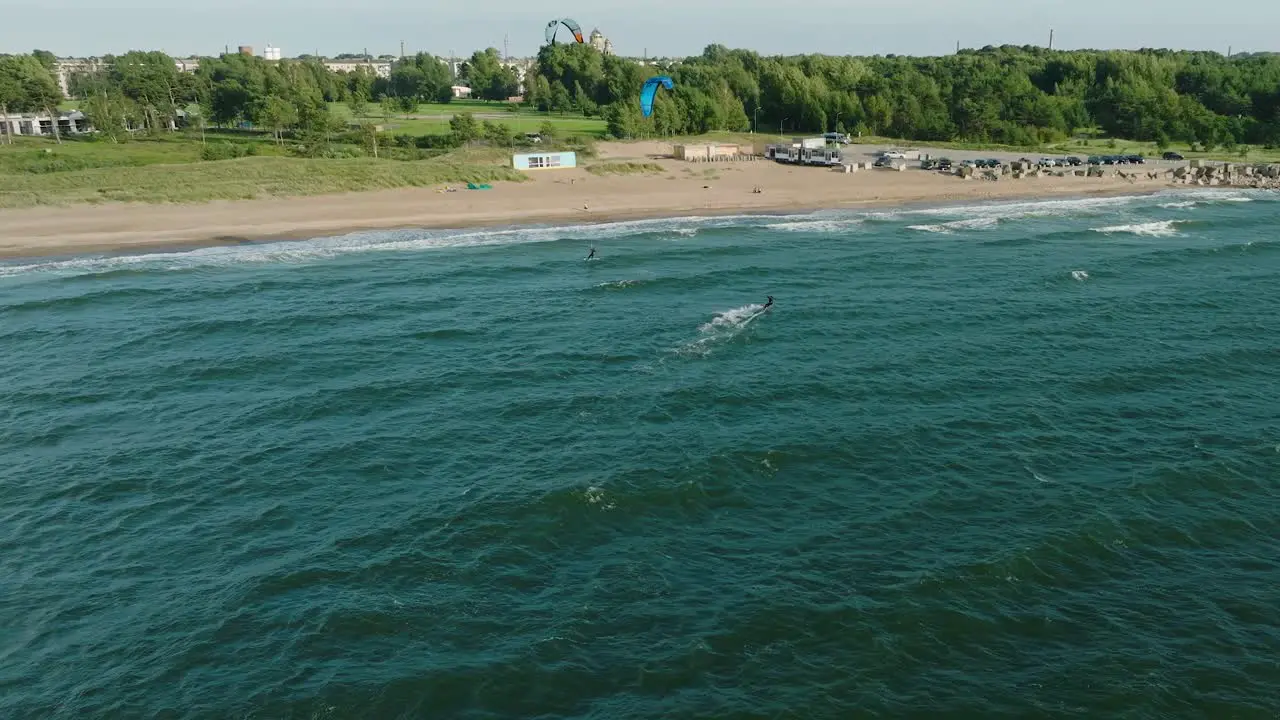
<point x="1074" y="161"/>
<point x="1135" y="159"/>
<point x="1095" y="160"/>
<point x="1048" y="162"/>
<point x="835" y="137"/>
<point x="944" y="164"/>
<point x="893" y="155"/>
<point x="1173" y="156"/>
<point x="884" y="161"/>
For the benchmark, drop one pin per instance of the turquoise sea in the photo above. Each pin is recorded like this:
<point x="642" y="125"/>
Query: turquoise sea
<point x="1012" y="460"/>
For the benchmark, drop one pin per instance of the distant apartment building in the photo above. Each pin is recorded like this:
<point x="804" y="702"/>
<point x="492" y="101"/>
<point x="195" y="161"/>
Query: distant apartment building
<point x="380" y="68"/>
<point x="521" y="67"/>
<point x="65" y="68"/>
<point x="272" y="53"/>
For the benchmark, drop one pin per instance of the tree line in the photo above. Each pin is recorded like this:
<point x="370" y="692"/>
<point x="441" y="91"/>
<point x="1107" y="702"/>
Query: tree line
<point x="1013" y="95"/>
<point x="146" y="91"/>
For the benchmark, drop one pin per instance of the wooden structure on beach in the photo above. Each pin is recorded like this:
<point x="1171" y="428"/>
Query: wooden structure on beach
<point x="711" y="152"/>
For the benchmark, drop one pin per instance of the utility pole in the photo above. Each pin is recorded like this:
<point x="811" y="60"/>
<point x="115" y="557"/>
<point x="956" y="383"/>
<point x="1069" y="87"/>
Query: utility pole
<point x="1050" y="38"/>
<point x="401" y="49"/>
<point x="957" y="47"/>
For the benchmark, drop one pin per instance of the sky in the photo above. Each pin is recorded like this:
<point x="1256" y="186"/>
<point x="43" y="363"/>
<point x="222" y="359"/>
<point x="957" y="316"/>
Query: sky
<point x="653" y="27"/>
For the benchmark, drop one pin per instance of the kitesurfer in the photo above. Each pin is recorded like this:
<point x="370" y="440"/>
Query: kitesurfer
<point x="768" y="304"/>
<point x="591" y="254"/>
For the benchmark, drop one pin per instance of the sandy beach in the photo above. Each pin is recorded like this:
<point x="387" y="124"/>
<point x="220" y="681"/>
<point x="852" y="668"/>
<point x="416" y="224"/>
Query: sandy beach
<point x="550" y="196"/>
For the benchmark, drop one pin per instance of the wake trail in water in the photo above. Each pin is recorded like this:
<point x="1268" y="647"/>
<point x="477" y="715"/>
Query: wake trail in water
<point x="723" y="327"/>
<point x="734" y="319"/>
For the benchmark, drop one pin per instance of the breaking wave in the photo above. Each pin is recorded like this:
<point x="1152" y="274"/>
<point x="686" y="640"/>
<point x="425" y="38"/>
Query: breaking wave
<point x="1160" y="228"/>
<point x="948" y="228"/>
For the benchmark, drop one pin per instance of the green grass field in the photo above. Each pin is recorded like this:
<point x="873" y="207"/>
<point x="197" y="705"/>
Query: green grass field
<point x="433" y="118"/>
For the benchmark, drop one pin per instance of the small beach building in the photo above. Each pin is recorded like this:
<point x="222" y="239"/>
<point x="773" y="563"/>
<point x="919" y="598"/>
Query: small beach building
<point x="544" y="160"/>
<point x="705" y="152"/>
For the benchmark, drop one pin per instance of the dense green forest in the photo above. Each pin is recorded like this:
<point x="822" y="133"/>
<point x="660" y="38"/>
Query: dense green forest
<point x="1009" y="95"/>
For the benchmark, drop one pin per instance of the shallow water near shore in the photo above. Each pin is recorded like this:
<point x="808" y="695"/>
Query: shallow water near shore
<point x="1019" y="459"/>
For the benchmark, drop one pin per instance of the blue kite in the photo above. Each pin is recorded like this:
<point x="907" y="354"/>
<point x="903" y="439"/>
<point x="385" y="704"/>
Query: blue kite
<point x="650" y="89"/>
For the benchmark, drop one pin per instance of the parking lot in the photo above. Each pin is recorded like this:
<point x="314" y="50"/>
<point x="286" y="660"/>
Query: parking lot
<point x="869" y="153"/>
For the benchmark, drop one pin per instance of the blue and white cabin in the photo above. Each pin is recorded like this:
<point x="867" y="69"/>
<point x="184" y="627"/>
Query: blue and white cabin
<point x="544" y="161"/>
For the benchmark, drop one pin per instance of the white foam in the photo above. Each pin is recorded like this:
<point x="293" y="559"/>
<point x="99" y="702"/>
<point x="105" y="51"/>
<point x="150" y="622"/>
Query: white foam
<point x="1038" y="208"/>
<point x="1179" y="205"/>
<point x="1162" y="228"/>
<point x="724" y="326"/>
<point x="948" y="228"/>
<point x="1079" y="275"/>
<point x="297" y="252"/>
<point x="817" y="226"/>
<point x="732" y="319"/>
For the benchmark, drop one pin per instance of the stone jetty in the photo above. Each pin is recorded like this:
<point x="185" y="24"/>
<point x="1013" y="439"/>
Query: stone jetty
<point x="1239" y="175"/>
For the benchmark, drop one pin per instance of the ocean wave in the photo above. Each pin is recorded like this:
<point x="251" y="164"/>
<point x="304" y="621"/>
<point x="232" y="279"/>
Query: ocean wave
<point x="831" y="226"/>
<point x="1032" y="209"/>
<point x="1079" y="275"/>
<point x="325" y="248"/>
<point x="619" y="284"/>
<point x="1161" y="228"/>
<point x="948" y="228"/>
<point x="966" y="217"/>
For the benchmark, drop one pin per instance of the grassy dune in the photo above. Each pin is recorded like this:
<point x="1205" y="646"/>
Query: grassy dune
<point x="243" y="178"/>
<point x="624" y="168"/>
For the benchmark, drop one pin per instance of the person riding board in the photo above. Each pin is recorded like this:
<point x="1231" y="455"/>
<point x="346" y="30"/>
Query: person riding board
<point x="591" y="254"/>
<point x="768" y="304"/>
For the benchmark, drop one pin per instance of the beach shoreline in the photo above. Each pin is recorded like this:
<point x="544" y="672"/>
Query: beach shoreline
<point x="551" y="197"/>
